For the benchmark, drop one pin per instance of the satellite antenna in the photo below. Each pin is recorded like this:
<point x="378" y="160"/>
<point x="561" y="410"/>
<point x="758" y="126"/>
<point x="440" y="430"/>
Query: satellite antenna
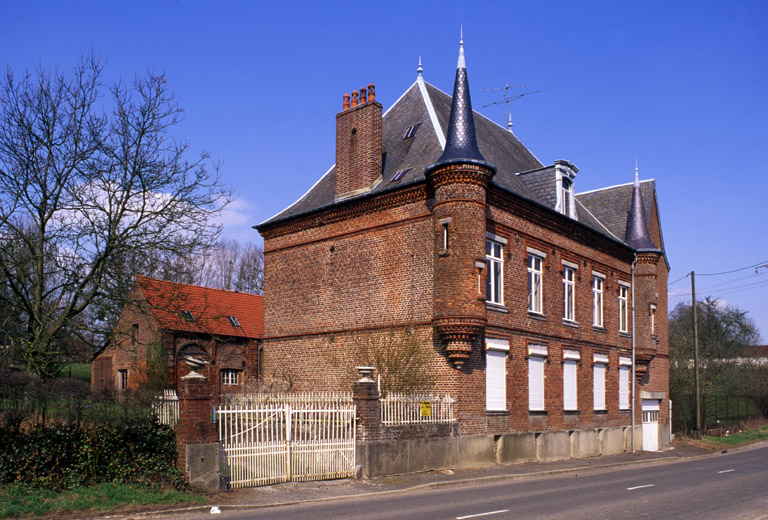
<point x="507" y="98"/>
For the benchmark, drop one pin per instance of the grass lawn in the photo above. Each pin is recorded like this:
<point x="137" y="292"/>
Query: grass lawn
<point x="77" y="370"/>
<point x="19" y="500"/>
<point x="737" y="439"/>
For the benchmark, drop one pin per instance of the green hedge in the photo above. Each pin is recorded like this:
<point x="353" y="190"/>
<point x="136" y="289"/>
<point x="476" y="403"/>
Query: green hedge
<point x="67" y="456"/>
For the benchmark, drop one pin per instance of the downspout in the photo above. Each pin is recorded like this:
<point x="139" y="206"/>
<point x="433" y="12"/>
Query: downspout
<point x="634" y="262"/>
<point x="258" y="360"/>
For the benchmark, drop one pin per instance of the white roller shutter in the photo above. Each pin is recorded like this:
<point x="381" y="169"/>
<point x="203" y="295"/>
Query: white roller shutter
<point x="536" y="383"/>
<point x="569" y="384"/>
<point x="599" y="386"/>
<point x="624" y="387"/>
<point x="495" y="381"/>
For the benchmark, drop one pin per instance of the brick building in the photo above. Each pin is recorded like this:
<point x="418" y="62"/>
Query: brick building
<point x="437" y="220"/>
<point x="173" y="322"/>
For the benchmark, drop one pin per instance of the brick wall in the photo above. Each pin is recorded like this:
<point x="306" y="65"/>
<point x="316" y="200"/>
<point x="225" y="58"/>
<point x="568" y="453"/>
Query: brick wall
<point x="334" y="277"/>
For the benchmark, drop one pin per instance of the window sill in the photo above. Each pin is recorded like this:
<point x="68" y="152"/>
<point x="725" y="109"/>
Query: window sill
<point x="536" y="316"/>
<point x="625" y="410"/>
<point x="602" y="330"/>
<point x="571" y="412"/>
<point x="572" y="324"/>
<point x="538" y="412"/>
<point x="624" y="334"/>
<point x="492" y="413"/>
<point x="491" y="306"/>
<point x="444" y="253"/>
<point x="601" y="412"/>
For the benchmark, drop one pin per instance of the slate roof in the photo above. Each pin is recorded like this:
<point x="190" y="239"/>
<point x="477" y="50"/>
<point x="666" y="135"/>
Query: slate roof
<point x="518" y="170"/>
<point x="499" y="147"/>
<point x="209" y="308"/>
<point x="610" y="207"/>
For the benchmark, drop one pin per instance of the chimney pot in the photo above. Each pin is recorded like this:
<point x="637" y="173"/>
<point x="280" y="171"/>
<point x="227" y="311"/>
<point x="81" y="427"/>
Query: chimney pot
<point x="371" y="92"/>
<point x="363" y="95"/>
<point x="345" y="105"/>
<point x="354" y="98"/>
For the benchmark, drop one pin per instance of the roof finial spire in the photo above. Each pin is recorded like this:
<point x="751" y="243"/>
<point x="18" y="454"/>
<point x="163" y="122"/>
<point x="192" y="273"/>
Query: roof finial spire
<point x="509" y="121"/>
<point x="637" y="174"/>
<point x="420" y="69"/>
<point x="462" y="63"/>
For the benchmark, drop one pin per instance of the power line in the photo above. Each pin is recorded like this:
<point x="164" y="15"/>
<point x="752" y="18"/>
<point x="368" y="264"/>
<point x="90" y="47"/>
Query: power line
<point x="726" y="290"/>
<point x="756" y="266"/>
<point x="764" y="263"/>
<point x="681" y="278"/>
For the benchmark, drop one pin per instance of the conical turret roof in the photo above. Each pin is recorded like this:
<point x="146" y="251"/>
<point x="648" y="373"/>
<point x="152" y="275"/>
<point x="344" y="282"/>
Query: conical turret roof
<point x="461" y="141"/>
<point x="637" y="228"/>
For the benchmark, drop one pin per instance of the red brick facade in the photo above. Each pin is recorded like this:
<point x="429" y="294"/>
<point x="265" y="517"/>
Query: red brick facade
<point x="415" y="257"/>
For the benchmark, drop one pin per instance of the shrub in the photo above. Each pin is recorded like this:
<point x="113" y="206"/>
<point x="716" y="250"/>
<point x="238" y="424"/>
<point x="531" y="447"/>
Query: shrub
<point x="69" y="455"/>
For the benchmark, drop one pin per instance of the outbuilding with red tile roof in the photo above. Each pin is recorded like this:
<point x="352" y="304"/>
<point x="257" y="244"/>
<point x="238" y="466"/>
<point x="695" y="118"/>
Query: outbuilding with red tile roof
<point x="165" y="324"/>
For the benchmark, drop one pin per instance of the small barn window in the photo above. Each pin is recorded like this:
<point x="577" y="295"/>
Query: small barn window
<point x="229" y="376"/>
<point x="234" y="321"/>
<point x="187" y="316"/>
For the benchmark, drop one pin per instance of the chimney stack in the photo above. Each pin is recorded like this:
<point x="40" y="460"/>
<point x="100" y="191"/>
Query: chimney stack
<point x="358" y="143"/>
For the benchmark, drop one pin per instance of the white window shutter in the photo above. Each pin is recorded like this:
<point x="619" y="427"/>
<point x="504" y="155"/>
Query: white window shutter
<point x="599" y="388"/>
<point x="624" y="387"/>
<point x="536" y="383"/>
<point x="495" y="380"/>
<point x="569" y="385"/>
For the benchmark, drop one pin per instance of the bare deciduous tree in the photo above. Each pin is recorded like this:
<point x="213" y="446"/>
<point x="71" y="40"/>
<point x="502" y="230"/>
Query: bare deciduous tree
<point x="87" y="195"/>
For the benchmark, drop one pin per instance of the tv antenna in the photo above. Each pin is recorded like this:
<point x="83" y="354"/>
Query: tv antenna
<point x="507" y="99"/>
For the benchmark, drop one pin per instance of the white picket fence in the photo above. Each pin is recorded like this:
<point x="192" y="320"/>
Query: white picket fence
<point x="399" y="409"/>
<point x="166" y="408"/>
<point x="267" y="439"/>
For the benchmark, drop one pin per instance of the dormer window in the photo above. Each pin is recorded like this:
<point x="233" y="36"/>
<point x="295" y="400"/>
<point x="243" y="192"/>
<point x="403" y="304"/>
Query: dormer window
<point x="565" y="173"/>
<point x="187" y="316"/>
<point x="566" y="195"/>
<point x="234" y="321"/>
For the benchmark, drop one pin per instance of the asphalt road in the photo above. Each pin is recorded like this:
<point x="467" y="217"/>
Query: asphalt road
<point x="732" y="486"/>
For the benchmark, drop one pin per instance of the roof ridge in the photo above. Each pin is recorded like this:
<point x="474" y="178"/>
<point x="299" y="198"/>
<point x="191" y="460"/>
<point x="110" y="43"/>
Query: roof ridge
<point x="431" y="111"/>
<point x="204" y="287"/>
<point x="615" y="186"/>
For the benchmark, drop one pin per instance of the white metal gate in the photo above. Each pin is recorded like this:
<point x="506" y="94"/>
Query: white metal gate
<point x="265" y="444"/>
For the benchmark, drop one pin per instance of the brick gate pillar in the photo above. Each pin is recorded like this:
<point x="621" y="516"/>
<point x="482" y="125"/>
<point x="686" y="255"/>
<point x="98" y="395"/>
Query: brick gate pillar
<point x="196" y="436"/>
<point x="365" y="395"/>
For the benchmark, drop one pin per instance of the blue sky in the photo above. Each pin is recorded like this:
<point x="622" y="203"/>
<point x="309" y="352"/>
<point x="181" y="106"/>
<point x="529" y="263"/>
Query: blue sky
<point x="680" y="86"/>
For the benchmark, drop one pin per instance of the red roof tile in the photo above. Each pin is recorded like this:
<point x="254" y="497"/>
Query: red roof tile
<point x="209" y="309"/>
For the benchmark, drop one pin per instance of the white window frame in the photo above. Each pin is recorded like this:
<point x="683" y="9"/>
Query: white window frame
<point x="537" y="358"/>
<point x="535" y="264"/>
<point x="598" y="290"/>
<point x="569" y="291"/>
<point x="445" y="232"/>
<point x="229" y="376"/>
<point x="496" y="374"/>
<point x="599" y="370"/>
<point x="494" y="259"/>
<point x="570" y="380"/>
<point x="625" y="368"/>
<point x="623" y="307"/>
<point x="652" y="312"/>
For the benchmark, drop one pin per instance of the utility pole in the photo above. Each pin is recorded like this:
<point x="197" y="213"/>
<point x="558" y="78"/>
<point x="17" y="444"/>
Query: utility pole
<point x="696" y="355"/>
